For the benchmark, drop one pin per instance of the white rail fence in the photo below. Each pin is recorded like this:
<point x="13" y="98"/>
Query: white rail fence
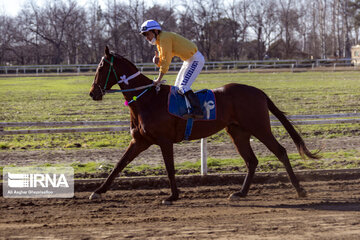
<point x="78" y="69"/>
<point x="113" y="126"/>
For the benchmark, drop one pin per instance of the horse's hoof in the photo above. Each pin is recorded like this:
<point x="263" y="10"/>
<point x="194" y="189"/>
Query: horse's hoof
<point x="94" y="196"/>
<point x="302" y="193"/>
<point x="166" y="202"/>
<point x="236" y="196"/>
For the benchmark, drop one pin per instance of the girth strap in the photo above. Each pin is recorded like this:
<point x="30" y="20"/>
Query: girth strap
<point x="188" y="129"/>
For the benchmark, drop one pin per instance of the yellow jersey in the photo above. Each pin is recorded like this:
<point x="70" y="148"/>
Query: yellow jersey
<point x="170" y="44"/>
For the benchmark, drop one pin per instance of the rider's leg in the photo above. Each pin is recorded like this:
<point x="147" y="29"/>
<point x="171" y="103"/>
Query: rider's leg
<point x="190" y="69"/>
<point x="195" y="105"/>
<point x="181" y="74"/>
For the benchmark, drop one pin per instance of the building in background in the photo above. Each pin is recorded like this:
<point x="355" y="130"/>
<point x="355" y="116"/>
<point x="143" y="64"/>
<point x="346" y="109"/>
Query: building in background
<point x="355" y="55"/>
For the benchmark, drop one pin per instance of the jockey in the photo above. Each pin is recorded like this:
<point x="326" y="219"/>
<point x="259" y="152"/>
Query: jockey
<point x="170" y="44"/>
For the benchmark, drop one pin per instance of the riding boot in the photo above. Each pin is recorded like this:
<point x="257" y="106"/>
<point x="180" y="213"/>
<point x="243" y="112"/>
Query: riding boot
<point x="195" y="106"/>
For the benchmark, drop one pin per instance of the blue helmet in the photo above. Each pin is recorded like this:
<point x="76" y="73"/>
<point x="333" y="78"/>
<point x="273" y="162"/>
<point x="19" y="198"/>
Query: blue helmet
<point x="150" y="25"/>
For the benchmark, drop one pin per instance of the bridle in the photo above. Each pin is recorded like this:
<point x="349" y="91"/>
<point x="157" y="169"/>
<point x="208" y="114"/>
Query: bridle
<point x="123" y="79"/>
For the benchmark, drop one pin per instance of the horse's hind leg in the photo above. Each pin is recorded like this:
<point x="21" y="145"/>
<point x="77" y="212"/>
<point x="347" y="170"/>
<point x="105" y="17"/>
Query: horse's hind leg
<point x="241" y="140"/>
<point x="275" y="147"/>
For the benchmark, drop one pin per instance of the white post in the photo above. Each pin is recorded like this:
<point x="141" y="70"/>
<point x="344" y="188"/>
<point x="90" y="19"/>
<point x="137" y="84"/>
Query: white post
<point x="203" y="156"/>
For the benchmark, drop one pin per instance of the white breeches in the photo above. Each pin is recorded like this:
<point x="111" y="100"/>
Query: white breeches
<point x="189" y="71"/>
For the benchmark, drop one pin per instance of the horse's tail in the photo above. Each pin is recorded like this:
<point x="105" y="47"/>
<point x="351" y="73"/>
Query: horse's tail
<point x="299" y="142"/>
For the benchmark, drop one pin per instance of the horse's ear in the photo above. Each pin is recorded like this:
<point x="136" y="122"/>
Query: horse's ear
<point x="107" y="51"/>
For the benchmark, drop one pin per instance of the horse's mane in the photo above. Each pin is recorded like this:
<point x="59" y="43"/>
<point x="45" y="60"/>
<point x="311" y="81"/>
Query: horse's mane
<point x="116" y="55"/>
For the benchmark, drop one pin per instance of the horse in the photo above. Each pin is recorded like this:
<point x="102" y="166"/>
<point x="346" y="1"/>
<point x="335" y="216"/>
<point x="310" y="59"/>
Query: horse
<point x="241" y="109"/>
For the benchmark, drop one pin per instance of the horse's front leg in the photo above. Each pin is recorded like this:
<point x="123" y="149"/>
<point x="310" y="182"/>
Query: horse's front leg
<point x="136" y="146"/>
<point x="167" y="150"/>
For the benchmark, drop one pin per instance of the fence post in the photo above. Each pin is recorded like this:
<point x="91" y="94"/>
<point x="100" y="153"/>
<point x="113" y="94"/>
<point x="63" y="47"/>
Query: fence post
<point x="203" y="156"/>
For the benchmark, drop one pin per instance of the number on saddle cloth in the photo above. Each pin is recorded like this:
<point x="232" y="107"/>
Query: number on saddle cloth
<point x="177" y="104"/>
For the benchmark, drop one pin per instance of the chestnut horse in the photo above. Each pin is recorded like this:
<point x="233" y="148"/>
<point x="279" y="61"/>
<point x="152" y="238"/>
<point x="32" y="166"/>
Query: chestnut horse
<point x="242" y="110"/>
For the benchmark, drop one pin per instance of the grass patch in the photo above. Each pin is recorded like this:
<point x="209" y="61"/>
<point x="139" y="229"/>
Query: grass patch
<point x="66" y="99"/>
<point x="4" y="145"/>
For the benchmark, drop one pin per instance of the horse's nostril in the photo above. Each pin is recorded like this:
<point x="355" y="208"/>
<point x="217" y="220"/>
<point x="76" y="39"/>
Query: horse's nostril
<point x="91" y="94"/>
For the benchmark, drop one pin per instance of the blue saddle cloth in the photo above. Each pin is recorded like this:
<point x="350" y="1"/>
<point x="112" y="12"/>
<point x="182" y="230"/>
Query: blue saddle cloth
<point x="177" y="105"/>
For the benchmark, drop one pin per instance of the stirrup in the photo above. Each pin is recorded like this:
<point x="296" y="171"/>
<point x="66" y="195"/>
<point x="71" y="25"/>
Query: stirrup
<point x="193" y="115"/>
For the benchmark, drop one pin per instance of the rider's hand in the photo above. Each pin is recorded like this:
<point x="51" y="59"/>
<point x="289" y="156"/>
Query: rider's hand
<point x="157" y="82"/>
<point x="156" y="58"/>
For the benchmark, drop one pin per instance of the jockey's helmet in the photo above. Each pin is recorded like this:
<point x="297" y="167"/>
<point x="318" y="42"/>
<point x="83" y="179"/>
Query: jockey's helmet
<point x="150" y="25"/>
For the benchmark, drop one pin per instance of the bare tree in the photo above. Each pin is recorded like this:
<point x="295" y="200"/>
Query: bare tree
<point x="136" y="47"/>
<point x="204" y="13"/>
<point x="95" y="33"/>
<point x="62" y="31"/>
<point x="306" y="21"/>
<point x="289" y="24"/>
<point x="322" y="9"/>
<point x="238" y="11"/>
<point x="6" y="36"/>
<point x="115" y="24"/>
<point x="355" y="13"/>
<point x="346" y="14"/>
<point x="75" y="34"/>
<point x="52" y="23"/>
<point x="264" y="22"/>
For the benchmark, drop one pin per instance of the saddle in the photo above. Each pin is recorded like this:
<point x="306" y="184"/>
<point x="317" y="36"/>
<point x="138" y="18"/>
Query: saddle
<point x="178" y="105"/>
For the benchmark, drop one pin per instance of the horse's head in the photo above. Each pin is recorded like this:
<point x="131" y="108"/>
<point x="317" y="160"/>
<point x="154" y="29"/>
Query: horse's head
<point x="102" y="81"/>
<point x="110" y="70"/>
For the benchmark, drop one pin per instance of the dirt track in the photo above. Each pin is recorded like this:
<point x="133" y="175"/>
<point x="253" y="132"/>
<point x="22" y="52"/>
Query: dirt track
<point x="271" y="211"/>
<point x="189" y="151"/>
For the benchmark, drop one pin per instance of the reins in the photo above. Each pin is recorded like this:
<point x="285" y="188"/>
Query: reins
<point x="126" y="80"/>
